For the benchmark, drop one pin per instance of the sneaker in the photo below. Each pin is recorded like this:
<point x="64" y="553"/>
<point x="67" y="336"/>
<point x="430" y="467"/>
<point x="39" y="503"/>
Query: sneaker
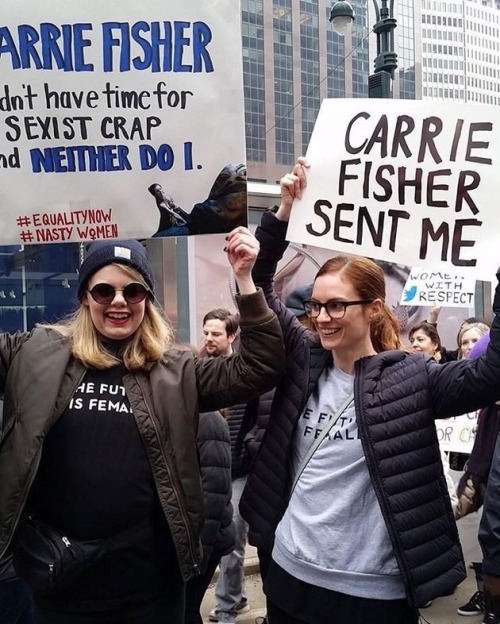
<point x="475" y="606"/>
<point x="489" y="618"/>
<point x="241" y="607"/>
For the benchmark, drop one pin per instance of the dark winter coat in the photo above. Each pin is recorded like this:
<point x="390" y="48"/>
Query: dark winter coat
<point x="39" y="377"/>
<point x="489" y="528"/>
<point x="214" y="447"/>
<point x="246" y="428"/>
<point x="397" y="398"/>
<point x="6" y="567"/>
<point x="260" y="410"/>
<point x="238" y="420"/>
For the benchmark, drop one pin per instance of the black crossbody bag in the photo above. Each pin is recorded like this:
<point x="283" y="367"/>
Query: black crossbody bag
<point x="49" y="561"/>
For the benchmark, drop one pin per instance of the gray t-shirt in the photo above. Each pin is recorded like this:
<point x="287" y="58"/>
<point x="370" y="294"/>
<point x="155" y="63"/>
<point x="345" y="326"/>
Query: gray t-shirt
<point x="333" y="534"/>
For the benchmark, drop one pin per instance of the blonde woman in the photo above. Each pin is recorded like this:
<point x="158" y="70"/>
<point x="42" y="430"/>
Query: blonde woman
<point x="468" y="335"/>
<point x="99" y="456"/>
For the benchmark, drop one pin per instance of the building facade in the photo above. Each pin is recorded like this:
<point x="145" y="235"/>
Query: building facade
<point x="461" y="50"/>
<point x="292" y="59"/>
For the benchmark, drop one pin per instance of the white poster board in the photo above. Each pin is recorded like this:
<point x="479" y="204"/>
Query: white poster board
<point x="457" y="434"/>
<point x="409" y="182"/>
<point x="425" y="287"/>
<point x="101" y="102"/>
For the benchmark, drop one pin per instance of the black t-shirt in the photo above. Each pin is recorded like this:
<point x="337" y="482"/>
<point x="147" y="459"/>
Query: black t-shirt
<point x="95" y="481"/>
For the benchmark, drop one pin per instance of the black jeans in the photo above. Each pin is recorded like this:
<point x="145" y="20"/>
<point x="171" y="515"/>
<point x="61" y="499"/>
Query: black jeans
<point x="310" y="604"/>
<point x="386" y="615"/>
<point x="16" y="606"/>
<point x="169" y="609"/>
<point x="196" y="589"/>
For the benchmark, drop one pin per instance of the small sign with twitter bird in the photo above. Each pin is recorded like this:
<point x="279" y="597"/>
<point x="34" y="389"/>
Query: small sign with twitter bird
<point x="438" y="288"/>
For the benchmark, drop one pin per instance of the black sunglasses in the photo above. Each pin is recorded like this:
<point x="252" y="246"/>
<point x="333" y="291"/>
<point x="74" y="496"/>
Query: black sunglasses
<point x="105" y="293"/>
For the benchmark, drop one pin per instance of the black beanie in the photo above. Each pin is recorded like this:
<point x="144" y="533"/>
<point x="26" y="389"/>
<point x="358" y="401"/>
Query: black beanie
<point x="103" y="252"/>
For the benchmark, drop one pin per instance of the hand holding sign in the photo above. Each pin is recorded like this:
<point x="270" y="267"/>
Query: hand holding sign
<point x="291" y="185"/>
<point x="403" y="182"/>
<point x="242" y="250"/>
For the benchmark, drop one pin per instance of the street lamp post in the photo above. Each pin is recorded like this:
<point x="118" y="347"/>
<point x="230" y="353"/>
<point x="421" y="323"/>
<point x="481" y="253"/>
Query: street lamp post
<point x="386" y="61"/>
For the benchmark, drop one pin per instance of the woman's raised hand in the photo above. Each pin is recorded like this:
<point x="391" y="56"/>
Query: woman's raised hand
<point x="242" y="250"/>
<point x="291" y="185"/>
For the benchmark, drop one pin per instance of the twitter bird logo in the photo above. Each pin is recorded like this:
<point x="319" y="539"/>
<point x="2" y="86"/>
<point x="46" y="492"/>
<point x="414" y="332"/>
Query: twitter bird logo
<point x="409" y="294"/>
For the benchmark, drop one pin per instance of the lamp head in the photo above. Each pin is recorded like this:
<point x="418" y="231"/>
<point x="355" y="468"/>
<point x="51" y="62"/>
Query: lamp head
<point x="342" y="17"/>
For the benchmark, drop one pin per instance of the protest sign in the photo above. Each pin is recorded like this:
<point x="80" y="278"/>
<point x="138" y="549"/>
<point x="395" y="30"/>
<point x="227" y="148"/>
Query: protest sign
<point x="409" y="182"/>
<point x="457" y="434"/>
<point x="120" y="119"/>
<point x="438" y="288"/>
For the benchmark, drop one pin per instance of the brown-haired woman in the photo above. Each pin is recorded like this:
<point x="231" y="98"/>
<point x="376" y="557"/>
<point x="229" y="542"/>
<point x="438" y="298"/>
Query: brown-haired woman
<point x="361" y="527"/>
<point x="424" y="338"/>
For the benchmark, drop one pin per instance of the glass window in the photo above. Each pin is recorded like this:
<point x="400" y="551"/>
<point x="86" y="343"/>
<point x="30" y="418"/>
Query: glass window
<point x="38" y="283"/>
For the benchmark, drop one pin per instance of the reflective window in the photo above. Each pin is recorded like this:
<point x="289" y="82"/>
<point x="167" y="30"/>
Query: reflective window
<point x="38" y="283"/>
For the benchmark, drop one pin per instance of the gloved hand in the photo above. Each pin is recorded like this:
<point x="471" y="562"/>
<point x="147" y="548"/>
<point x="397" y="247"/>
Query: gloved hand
<point x="492" y="593"/>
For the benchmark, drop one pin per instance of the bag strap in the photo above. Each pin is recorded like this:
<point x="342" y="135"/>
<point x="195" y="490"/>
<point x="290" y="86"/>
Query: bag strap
<point x="324" y="432"/>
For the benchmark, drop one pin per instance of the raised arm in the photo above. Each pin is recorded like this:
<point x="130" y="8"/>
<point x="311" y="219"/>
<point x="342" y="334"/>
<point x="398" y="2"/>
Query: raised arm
<point x="432" y="317"/>
<point x="291" y="185"/>
<point x="271" y="235"/>
<point x="260" y="359"/>
<point x="467" y="385"/>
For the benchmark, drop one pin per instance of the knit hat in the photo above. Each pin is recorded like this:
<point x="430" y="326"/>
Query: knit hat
<point x="295" y="300"/>
<point x="103" y="252"/>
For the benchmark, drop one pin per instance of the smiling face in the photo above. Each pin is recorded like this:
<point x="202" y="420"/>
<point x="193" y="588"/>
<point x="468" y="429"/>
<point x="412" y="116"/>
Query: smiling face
<point x="422" y="343"/>
<point x="117" y="320"/>
<point x="348" y="336"/>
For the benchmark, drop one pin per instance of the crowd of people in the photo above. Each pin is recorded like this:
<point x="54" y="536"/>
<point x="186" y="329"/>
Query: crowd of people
<point x="132" y="466"/>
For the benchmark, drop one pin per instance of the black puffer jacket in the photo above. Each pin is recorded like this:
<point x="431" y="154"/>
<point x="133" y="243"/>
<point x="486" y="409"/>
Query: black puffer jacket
<point x="260" y="410"/>
<point x="397" y="398"/>
<point x="239" y="421"/>
<point x="214" y="447"/>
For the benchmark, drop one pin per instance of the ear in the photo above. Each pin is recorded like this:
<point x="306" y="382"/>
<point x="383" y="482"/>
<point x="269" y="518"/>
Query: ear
<point x="85" y="299"/>
<point x="375" y="308"/>
<point x="231" y="338"/>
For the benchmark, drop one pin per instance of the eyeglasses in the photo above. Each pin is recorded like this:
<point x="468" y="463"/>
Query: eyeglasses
<point x="105" y="293"/>
<point x="334" y="309"/>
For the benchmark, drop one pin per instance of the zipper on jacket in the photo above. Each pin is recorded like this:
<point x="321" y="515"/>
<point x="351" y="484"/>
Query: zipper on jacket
<point x="376" y="481"/>
<point x="180" y="507"/>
